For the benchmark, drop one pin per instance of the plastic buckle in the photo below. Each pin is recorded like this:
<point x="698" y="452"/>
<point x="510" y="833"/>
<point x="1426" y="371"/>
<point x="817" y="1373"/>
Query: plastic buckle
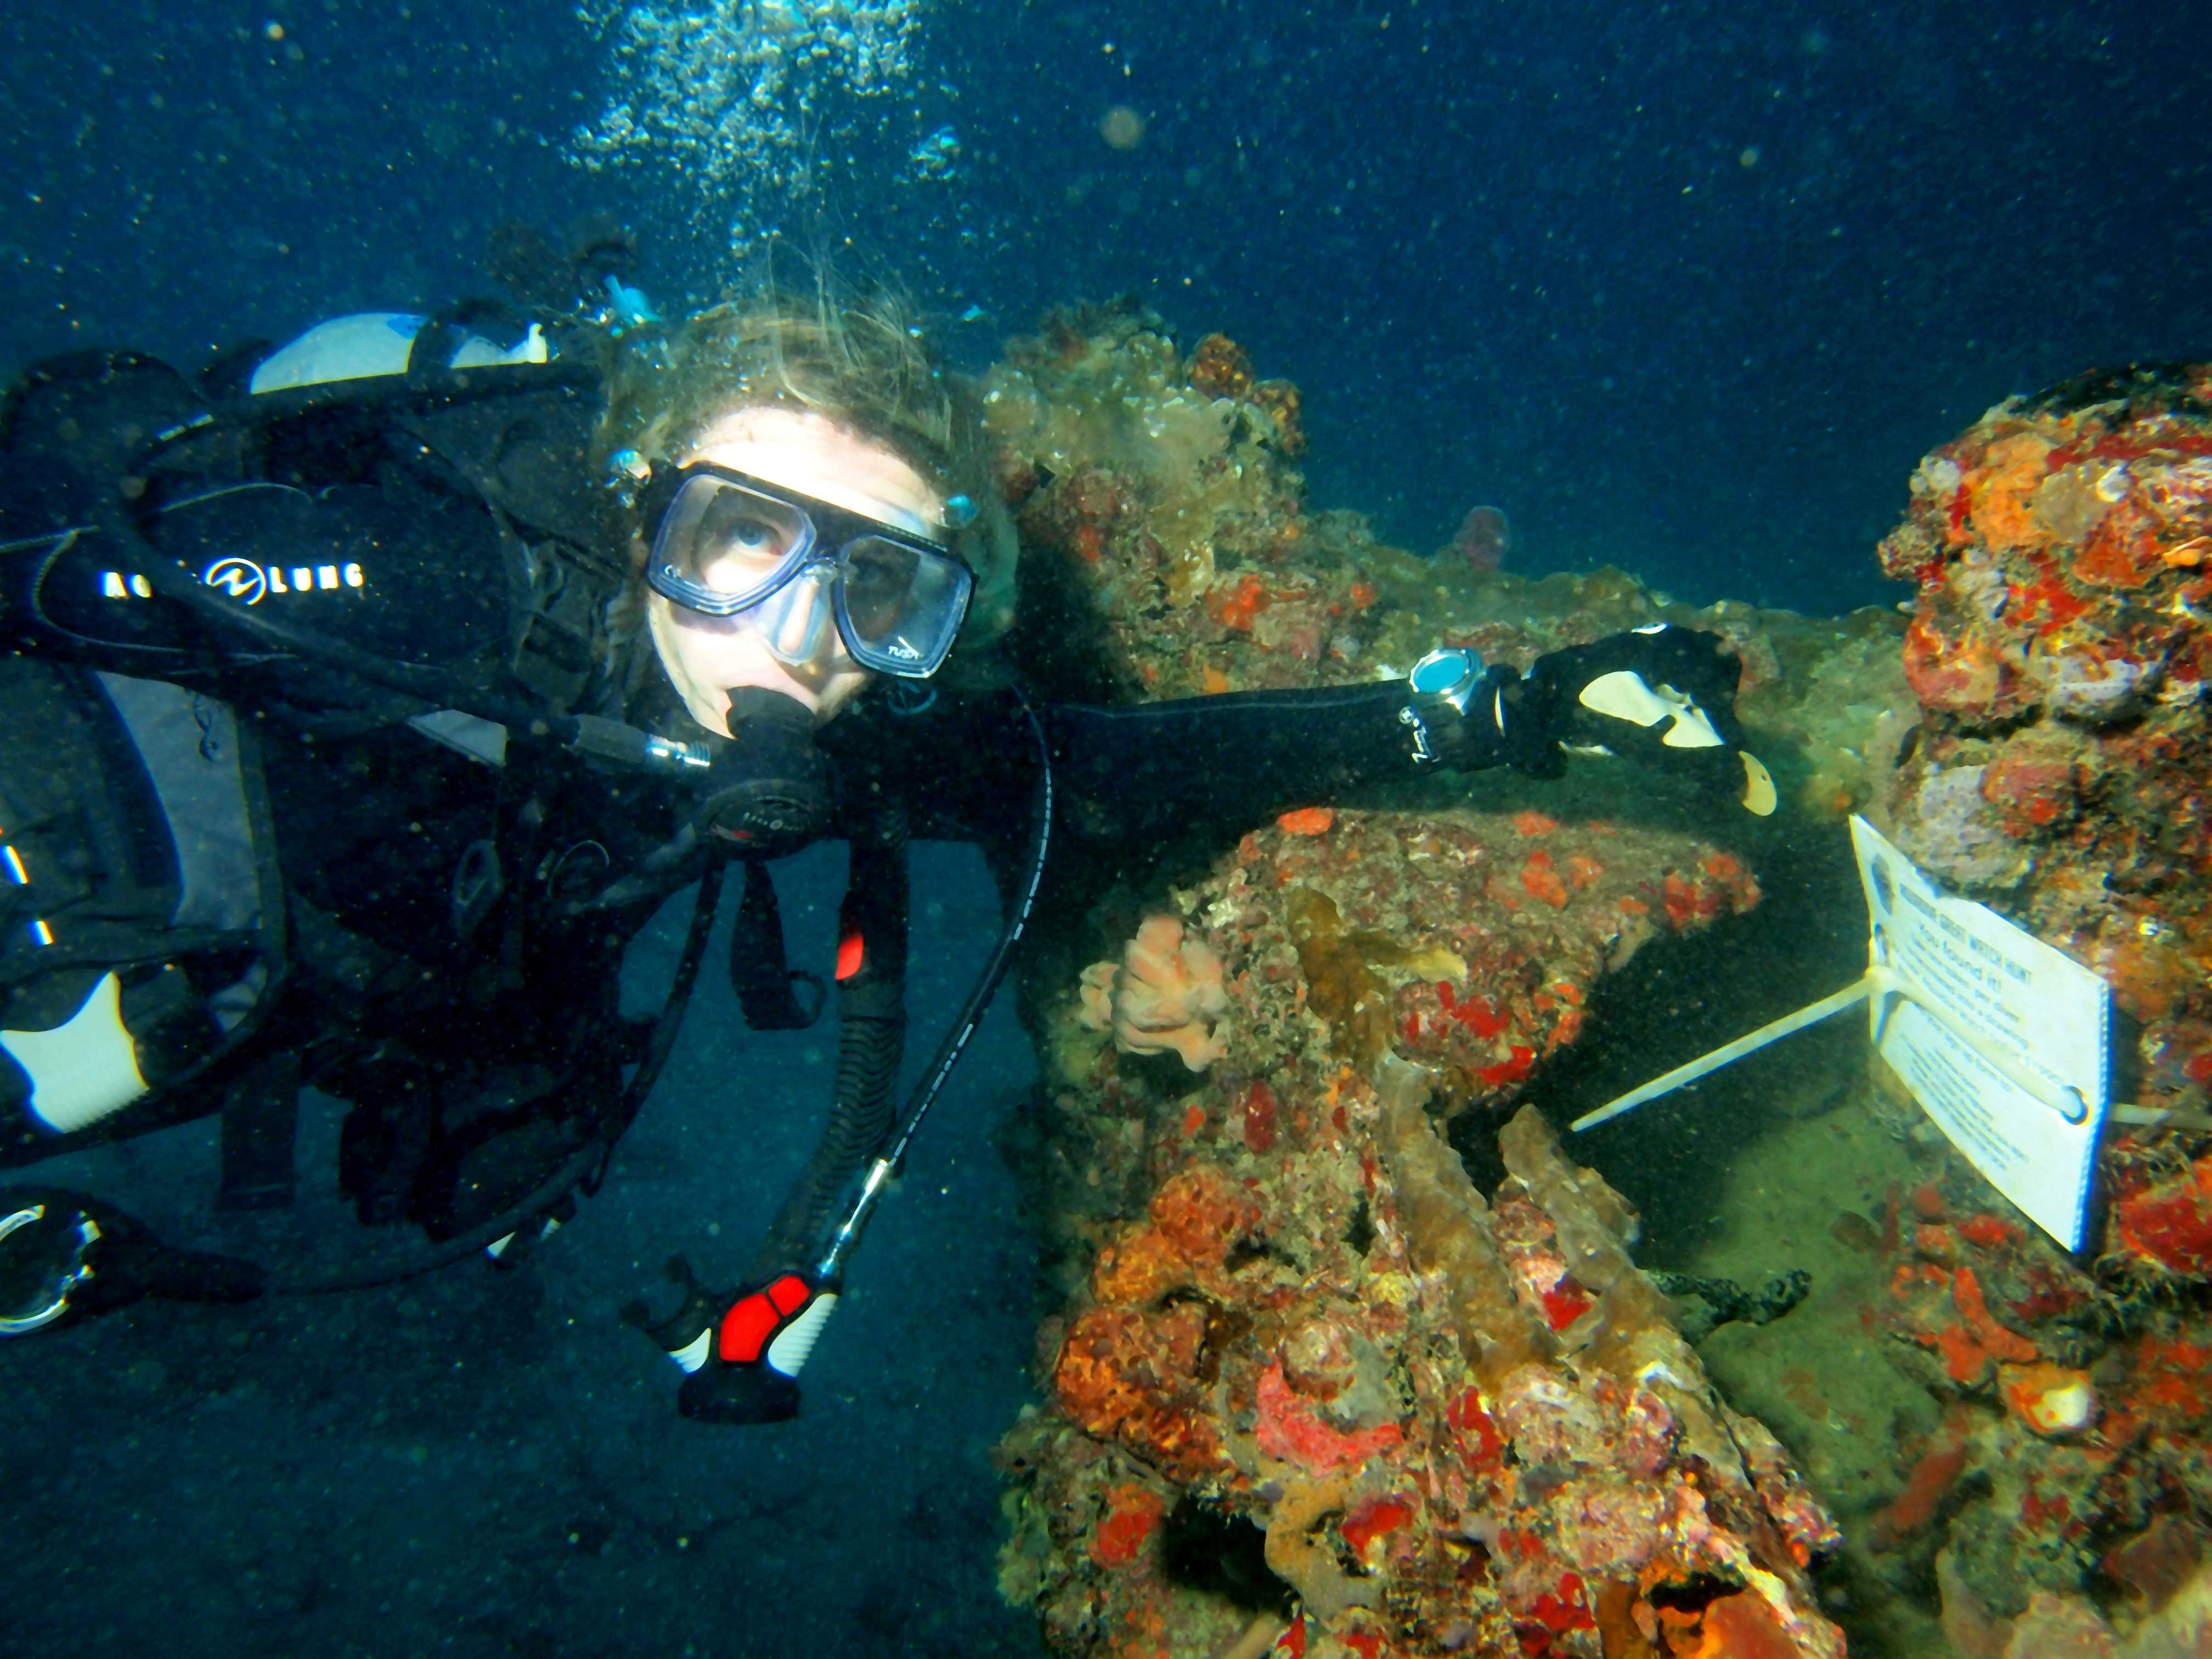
<point x="79" y="1270"/>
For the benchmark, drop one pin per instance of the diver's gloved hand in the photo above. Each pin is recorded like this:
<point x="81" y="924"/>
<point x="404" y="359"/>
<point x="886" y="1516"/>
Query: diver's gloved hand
<point x="63" y="1255"/>
<point x="1455" y="716"/>
<point x="1662" y="694"/>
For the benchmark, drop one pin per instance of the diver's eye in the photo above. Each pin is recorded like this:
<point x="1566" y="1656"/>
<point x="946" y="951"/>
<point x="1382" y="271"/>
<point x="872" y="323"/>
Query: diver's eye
<point x="743" y="548"/>
<point x="731" y="538"/>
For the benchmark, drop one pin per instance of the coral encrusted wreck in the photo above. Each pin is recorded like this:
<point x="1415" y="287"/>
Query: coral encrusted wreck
<point x="1308" y="1388"/>
<point x="1444" y="1425"/>
<point x="1456" y="1426"/>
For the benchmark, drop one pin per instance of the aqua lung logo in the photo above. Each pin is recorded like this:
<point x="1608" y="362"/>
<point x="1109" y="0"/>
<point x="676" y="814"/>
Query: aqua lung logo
<point x="246" y="581"/>
<point x="242" y="581"/>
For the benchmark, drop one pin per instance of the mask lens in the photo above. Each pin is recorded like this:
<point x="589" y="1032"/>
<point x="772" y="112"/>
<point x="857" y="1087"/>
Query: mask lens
<point x="902" y="605"/>
<point x="721" y="546"/>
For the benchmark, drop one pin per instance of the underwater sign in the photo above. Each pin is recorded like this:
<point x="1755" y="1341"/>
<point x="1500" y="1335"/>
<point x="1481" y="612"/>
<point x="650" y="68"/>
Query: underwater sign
<point x="2004" y="1041"/>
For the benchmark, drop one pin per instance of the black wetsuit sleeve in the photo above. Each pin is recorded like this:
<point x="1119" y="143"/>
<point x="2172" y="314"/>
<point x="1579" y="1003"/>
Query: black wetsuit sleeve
<point x="1240" y="757"/>
<point x="1187" y="765"/>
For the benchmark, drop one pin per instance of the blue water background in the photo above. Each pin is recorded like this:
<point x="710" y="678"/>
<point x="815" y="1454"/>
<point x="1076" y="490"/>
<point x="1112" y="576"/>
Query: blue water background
<point x="483" y="1464"/>
<point x="1688" y="287"/>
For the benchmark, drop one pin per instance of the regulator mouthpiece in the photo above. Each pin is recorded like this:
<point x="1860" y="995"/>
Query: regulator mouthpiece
<point x="770" y="791"/>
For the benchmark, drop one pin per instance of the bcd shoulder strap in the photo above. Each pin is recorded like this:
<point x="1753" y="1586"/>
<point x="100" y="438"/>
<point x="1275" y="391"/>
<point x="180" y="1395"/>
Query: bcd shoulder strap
<point x="526" y="454"/>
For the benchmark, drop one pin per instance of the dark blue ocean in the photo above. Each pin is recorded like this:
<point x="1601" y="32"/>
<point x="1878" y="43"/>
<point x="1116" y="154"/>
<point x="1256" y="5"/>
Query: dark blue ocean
<point x="1685" y="287"/>
<point x="1688" y="285"/>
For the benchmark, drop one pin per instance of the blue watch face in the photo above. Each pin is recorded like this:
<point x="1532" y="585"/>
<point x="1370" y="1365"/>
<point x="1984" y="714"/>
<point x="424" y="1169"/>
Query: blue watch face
<point x="1444" y="671"/>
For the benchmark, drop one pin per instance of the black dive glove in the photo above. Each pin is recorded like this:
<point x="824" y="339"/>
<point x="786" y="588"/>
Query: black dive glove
<point x="1662" y="694"/>
<point x="64" y="1256"/>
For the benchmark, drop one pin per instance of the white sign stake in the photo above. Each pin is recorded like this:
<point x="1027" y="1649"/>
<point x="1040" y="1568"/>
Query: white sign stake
<point x="2005" y="1042"/>
<point x="1728" y="1053"/>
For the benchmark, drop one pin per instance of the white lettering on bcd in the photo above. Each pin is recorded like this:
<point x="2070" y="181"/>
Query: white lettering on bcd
<point x="244" y="580"/>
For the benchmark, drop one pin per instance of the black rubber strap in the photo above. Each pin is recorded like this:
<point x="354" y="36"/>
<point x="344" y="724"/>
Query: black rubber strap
<point x="260" y="1135"/>
<point x="760" y="973"/>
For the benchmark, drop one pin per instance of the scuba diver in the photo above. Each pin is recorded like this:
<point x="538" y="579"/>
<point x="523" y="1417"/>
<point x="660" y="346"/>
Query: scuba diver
<point x="363" y="698"/>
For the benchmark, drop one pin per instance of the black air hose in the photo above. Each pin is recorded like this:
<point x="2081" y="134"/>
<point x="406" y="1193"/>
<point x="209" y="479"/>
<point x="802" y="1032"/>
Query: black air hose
<point x="870" y="1041"/>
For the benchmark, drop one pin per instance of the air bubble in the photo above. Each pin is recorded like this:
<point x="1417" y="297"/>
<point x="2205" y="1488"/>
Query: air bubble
<point x="729" y="101"/>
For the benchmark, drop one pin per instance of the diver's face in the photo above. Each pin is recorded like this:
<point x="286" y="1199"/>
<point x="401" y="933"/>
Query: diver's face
<point x="707" y="656"/>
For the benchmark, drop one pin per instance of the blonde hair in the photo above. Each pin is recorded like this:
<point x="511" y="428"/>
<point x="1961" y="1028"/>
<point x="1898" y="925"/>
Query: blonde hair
<point x="857" y="359"/>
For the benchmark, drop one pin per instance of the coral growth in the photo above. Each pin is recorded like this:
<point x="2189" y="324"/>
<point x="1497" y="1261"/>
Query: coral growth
<point x="1435" y="1460"/>
<point x="1164" y="996"/>
<point x="2165" y="1224"/>
<point x="1456" y="1424"/>
<point x="2058" y="651"/>
<point x="2068" y="1457"/>
<point x="1483" y="539"/>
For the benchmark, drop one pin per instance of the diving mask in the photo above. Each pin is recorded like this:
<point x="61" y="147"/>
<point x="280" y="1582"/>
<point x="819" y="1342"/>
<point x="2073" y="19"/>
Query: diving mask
<point x="725" y="543"/>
